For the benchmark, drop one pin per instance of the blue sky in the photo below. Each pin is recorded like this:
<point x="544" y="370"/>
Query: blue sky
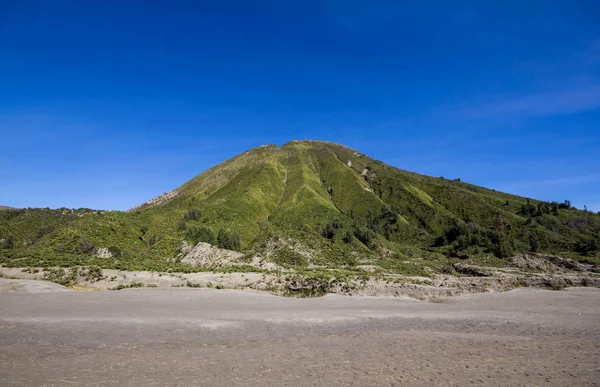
<point x="105" y="104"/>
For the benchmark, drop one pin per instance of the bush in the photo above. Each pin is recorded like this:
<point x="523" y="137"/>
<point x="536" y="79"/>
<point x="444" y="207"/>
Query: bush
<point x="528" y="210"/>
<point x="93" y="274"/>
<point x="43" y="231"/>
<point x="192" y="214"/>
<point x="197" y="234"/>
<point x="84" y="246"/>
<point x="365" y="235"/>
<point x="566" y="205"/>
<point x="465" y="235"/>
<point x="534" y="242"/>
<point x="114" y="251"/>
<point x="348" y="237"/>
<point x="586" y="246"/>
<point x="329" y="231"/>
<point x="504" y="248"/>
<point x="8" y="243"/>
<point x="227" y="240"/>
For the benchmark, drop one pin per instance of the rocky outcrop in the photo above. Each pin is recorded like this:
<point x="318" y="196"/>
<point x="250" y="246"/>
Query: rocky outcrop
<point x="103" y="252"/>
<point x="157" y="200"/>
<point x="207" y="255"/>
<point x="545" y="263"/>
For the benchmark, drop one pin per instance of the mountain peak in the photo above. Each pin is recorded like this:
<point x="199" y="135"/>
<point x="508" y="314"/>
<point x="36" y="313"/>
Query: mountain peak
<point x="319" y="203"/>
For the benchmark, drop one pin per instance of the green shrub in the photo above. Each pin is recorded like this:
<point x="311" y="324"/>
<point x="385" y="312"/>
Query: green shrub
<point x="192" y="214"/>
<point x="227" y="240"/>
<point x="365" y="235"/>
<point x="462" y="236"/>
<point x="329" y="231"/>
<point x="8" y="243"/>
<point x="84" y="246"/>
<point x="504" y="248"/>
<point x="586" y="246"/>
<point x="131" y="285"/>
<point x="93" y="274"/>
<point x="152" y="241"/>
<point x="43" y="231"/>
<point x="348" y="237"/>
<point x="534" y="242"/>
<point x="115" y="251"/>
<point x="196" y="234"/>
<point x="287" y="257"/>
<point x="565" y="205"/>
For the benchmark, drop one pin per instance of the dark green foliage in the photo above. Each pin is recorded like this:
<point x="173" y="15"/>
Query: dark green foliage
<point x="385" y="223"/>
<point x="8" y="243"/>
<point x="192" y="214"/>
<point x="196" y="234"/>
<point x="565" y="205"/>
<point x="504" y="248"/>
<point x="554" y="206"/>
<point x="84" y="246"/>
<point x="227" y="240"/>
<point x="348" y="237"/>
<point x="587" y="246"/>
<point x="534" y="242"/>
<point x="528" y="209"/>
<point x="462" y="236"/>
<point x="93" y="273"/>
<point x="182" y="225"/>
<point x="115" y="251"/>
<point x="152" y="240"/>
<point x="364" y="234"/>
<point x="129" y="286"/>
<point x="330" y="229"/>
<point x="543" y="208"/>
<point x="45" y="230"/>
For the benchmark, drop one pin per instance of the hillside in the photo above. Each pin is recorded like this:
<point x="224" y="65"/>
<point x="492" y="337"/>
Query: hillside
<point x="307" y="205"/>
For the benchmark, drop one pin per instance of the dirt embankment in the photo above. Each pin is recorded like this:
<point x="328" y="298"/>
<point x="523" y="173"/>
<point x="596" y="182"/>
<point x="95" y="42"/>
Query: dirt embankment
<point x="532" y="270"/>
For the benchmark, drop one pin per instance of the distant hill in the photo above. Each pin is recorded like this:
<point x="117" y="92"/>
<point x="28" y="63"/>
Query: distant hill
<point x="308" y="204"/>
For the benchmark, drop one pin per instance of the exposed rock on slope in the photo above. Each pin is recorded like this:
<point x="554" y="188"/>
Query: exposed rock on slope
<point x="204" y="254"/>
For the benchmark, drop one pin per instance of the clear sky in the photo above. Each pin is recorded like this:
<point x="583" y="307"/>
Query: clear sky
<point x="105" y="104"/>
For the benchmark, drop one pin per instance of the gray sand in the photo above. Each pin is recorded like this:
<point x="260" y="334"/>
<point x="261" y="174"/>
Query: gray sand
<point x="225" y="337"/>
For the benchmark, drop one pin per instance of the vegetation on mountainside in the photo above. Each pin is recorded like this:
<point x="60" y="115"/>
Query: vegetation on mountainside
<point x="307" y="204"/>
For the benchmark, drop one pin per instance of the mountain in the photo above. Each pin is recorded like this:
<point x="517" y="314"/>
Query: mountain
<point x="306" y="204"/>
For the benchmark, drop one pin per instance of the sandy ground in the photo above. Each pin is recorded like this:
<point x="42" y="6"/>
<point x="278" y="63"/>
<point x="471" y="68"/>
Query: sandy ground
<point x="183" y="336"/>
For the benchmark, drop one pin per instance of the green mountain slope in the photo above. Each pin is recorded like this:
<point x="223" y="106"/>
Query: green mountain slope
<point x="306" y="204"/>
